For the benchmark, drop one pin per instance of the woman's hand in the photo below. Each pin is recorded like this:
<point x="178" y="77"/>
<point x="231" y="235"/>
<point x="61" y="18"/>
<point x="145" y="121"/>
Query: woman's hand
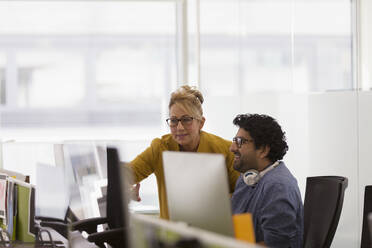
<point x="135" y="192"/>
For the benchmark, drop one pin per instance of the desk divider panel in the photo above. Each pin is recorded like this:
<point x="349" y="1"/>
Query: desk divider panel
<point x="148" y="232"/>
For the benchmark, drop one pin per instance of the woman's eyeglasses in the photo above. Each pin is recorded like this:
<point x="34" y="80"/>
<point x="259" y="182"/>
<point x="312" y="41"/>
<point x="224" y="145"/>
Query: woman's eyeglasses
<point x="185" y="121"/>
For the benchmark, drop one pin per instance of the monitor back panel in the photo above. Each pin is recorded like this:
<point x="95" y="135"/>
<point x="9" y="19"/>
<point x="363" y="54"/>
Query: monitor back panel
<point x="197" y="190"/>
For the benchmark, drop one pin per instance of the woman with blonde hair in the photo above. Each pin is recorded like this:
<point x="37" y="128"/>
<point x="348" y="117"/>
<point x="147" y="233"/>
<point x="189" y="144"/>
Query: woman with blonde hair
<point x="185" y="122"/>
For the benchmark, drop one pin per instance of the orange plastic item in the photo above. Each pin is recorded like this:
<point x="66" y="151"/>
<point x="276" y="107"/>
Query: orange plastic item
<point x="243" y="227"/>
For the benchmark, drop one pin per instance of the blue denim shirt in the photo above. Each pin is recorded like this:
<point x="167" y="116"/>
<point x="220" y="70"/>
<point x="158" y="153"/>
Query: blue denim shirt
<point x="276" y="205"/>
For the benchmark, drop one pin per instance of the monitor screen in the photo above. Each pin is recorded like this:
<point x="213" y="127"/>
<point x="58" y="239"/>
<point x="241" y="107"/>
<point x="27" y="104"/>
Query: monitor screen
<point x="197" y="190"/>
<point x="84" y="177"/>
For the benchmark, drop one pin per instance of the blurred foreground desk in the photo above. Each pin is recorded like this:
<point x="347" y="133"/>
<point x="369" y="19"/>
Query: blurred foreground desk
<point x="148" y="232"/>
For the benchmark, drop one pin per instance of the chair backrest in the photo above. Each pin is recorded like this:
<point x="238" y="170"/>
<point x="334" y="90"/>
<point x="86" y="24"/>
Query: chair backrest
<point x="322" y="209"/>
<point x="370" y="225"/>
<point x="366" y="239"/>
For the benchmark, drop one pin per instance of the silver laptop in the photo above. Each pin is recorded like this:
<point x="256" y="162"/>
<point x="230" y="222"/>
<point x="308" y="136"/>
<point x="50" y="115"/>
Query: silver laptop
<point x="197" y="190"/>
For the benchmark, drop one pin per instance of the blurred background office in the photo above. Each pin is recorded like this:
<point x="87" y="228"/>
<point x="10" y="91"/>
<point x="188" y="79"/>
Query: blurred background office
<point x="104" y="70"/>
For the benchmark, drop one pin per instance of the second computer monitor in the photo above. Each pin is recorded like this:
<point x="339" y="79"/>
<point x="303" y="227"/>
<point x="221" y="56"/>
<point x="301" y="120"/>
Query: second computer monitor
<point x="197" y="190"/>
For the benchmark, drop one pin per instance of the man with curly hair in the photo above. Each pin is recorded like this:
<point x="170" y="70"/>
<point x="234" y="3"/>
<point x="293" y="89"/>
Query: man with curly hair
<point x="266" y="188"/>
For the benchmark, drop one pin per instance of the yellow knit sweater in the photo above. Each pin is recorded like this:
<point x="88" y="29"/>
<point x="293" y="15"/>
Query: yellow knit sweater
<point x="151" y="161"/>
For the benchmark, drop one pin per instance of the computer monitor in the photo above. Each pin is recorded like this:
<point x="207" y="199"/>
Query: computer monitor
<point x="197" y="190"/>
<point x="52" y="198"/>
<point x="117" y="233"/>
<point x="118" y="188"/>
<point x="84" y="178"/>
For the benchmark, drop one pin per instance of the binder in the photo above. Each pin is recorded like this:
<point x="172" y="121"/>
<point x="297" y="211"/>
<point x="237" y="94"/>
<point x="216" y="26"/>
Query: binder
<point x="19" y="202"/>
<point x="3" y="189"/>
<point x="25" y="228"/>
<point x="11" y="209"/>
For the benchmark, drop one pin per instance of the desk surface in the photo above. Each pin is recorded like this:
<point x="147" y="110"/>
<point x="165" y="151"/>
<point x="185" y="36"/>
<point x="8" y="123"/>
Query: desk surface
<point x="77" y="240"/>
<point x="32" y="245"/>
<point x="23" y="245"/>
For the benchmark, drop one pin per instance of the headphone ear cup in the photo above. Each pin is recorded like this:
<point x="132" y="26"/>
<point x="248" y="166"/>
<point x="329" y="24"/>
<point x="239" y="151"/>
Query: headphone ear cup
<point x="251" y="177"/>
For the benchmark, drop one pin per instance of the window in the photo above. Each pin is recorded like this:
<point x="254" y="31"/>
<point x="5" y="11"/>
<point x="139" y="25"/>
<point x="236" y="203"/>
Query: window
<point x="272" y="46"/>
<point x="2" y="78"/>
<point x="49" y="79"/>
<point x="91" y="63"/>
<point x="87" y="70"/>
<point x="322" y="47"/>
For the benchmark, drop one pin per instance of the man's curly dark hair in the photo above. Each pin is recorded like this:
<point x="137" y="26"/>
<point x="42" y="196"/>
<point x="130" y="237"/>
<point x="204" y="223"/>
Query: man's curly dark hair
<point x="265" y="131"/>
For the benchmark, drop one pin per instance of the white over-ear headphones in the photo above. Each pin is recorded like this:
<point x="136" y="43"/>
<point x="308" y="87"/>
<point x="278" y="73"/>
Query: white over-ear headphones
<point x="251" y="177"/>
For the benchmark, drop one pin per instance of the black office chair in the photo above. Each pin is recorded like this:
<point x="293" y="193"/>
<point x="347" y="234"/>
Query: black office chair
<point x="369" y="217"/>
<point x="116" y="210"/>
<point x="59" y="225"/>
<point x="366" y="238"/>
<point x="324" y="197"/>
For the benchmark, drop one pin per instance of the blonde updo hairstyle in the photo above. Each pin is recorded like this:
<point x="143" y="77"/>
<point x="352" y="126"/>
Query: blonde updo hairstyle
<point x="190" y="99"/>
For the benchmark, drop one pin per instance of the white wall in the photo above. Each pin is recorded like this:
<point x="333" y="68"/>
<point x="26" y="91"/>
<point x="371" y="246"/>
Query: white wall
<point x="364" y="146"/>
<point x="333" y="149"/>
<point x="290" y="110"/>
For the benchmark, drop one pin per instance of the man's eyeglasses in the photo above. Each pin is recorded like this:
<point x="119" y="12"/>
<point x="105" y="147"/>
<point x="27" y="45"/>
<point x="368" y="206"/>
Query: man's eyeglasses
<point x="239" y="141"/>
<point x="185" y="121"/>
